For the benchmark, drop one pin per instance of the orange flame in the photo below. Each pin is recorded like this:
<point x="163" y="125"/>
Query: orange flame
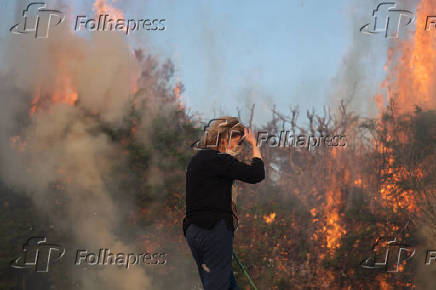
<point x="62" y="92"/>
<point x="411" y="79"/>
<point x="101" y="7"/>
<point x="178" y="94"/>
<point x="409" y="82"/>
<point x="334" y="230"/>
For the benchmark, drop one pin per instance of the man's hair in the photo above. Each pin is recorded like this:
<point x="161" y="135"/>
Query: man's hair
<point x="219" y="131"/>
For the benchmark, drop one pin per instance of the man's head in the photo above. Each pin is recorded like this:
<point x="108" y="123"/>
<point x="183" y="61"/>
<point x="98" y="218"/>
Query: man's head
<point x="224" y="134"/>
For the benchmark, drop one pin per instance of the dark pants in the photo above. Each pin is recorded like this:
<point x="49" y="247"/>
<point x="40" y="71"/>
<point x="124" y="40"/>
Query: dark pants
<point x="212" y="250"/>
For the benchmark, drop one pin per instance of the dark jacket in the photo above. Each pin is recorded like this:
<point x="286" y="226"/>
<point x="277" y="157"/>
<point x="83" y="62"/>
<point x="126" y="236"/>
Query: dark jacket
<point x="209" y="178"/>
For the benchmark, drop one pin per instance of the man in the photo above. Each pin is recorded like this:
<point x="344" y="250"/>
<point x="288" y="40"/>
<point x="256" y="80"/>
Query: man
<point x="209" y="223"/>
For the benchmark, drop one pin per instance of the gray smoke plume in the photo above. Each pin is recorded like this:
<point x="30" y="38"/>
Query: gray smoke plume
<point x="59" y="143"/>
<point x="355" y="79"/>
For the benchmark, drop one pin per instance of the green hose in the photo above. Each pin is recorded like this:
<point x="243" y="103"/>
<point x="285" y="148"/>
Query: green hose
<point x="243" y="270"/>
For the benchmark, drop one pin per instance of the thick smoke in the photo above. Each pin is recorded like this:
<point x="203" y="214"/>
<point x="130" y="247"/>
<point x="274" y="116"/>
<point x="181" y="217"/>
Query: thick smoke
<point x="61" y="143"/>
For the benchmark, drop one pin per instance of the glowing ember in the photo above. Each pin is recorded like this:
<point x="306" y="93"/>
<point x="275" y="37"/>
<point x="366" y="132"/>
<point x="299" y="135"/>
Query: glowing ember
<point x="269" y="218"/>
<point x="17" y="143"/>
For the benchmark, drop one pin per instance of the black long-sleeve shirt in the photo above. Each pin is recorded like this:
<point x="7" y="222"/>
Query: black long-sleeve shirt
<point x="209" y="178"/>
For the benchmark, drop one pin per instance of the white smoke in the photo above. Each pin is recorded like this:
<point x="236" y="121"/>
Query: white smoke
<point x="60" y="143"/>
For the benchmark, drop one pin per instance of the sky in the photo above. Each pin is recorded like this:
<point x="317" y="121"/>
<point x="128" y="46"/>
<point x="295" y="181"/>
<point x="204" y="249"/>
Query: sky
<point x="230" y="54"/>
